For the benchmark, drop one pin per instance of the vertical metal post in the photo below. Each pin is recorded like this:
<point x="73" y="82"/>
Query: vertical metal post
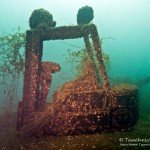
<point x="97" y="47"/>
<point x="91" y="55"/>
<point x="32" y="61"/>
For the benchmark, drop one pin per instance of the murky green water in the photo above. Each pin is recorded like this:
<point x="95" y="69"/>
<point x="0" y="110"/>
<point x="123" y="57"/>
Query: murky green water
<point x="123" y="26"/>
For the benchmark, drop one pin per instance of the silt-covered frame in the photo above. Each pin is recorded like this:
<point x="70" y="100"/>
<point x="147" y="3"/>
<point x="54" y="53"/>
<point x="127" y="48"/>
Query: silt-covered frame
<point x="33" y="57"/>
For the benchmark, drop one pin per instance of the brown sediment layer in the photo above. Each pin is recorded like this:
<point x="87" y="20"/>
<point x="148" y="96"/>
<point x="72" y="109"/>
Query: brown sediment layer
<point x="81" y="112"/>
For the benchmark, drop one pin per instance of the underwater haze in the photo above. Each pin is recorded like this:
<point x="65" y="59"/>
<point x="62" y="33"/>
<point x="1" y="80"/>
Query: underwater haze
<point x="123" y="26"/>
